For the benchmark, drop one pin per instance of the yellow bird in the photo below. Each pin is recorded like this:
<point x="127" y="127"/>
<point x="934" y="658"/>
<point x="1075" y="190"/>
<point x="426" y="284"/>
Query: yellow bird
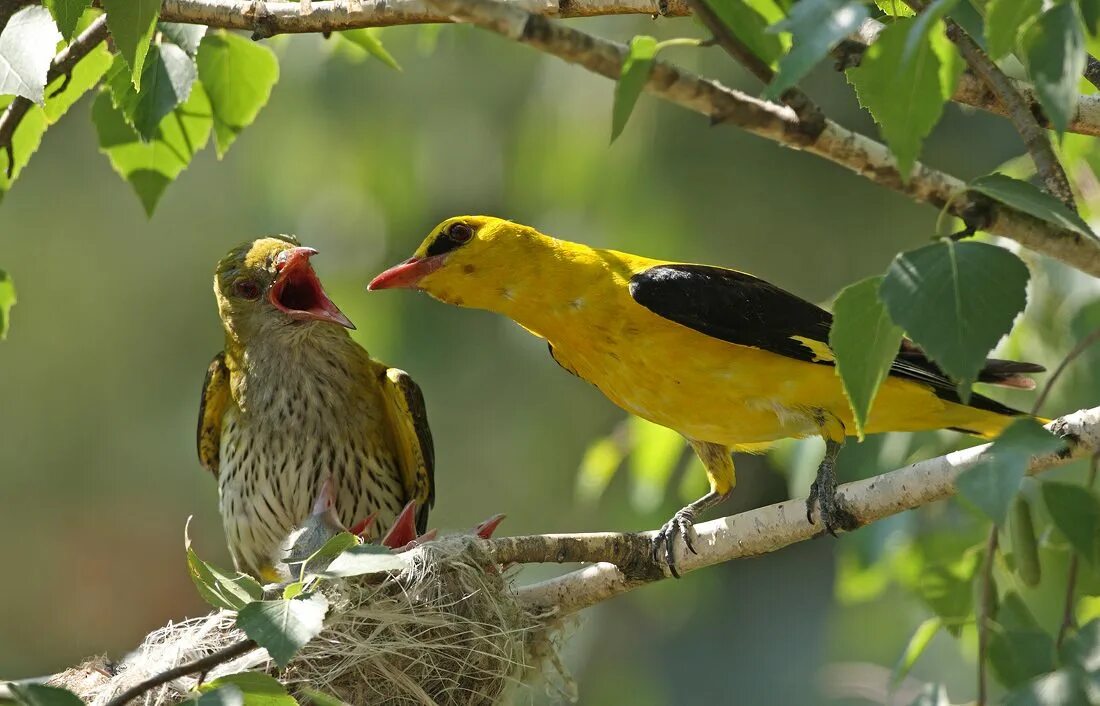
<point x="728" y="360"/>
<point x="293" y="402"/>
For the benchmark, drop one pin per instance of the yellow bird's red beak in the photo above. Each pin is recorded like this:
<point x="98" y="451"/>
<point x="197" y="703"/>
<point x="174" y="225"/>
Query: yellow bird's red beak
<point x="298" y="293"/>
<point x="407" y="274"/>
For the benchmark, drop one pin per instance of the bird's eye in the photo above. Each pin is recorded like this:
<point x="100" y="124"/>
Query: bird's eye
<point x="460" y="233"/>
<point x="246" y="289"/>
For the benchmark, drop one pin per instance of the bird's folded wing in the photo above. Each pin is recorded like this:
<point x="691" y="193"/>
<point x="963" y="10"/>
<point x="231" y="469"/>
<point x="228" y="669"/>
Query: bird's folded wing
<point x="215" y="398"/>
<point x="409" y="421"/>
<point x="738" y="308"/>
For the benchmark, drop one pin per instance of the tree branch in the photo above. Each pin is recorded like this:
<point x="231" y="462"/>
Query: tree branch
<point x="856" y="152"/>
<point x="199" y="666"/>
<point x="807" y="111"/>
<point x="62" y="64"/>
<point x="972" y="91"/>
<point x="1035" y="137"/>
<point x="265" y="19"/>
<point x="759" y="531"/>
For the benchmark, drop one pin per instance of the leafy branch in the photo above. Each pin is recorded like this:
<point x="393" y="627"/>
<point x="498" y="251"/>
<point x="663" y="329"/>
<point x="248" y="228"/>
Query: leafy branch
<point x="726" y="106"/>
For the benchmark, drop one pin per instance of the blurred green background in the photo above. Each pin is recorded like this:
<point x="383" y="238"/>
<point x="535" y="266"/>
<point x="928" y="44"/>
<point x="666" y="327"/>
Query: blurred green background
<point x="115" y="325"/>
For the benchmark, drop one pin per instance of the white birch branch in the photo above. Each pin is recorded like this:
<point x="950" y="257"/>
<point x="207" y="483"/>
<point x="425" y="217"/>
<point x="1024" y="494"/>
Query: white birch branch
<point x="265" y="19"/>
<point x="835" y="143"/>
<point x="758" y="531"/>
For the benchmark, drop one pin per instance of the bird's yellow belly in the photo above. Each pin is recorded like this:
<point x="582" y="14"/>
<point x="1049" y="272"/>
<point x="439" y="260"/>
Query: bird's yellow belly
<point x="710" y="390"/>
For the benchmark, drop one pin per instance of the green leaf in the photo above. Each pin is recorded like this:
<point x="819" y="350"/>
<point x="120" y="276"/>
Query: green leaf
<point x="932" y="695"/>
<point x="186" y="37"/>
<point x="66" y="14"/>
<point x="257" y="689"/>
<point x="228" y="695"/>
<point x="166" y="82"/>
<point x="1020" y="655"/>
<point x="655" y="454"/>
<point x="1055" y="689"/>
<point x="28" y="135"/>
<point x="816" y="26"/>
<point x="305" y="556"/>
<point x="1082" y="649"/>
<point x="42" y="695"/>
<point x="1075" y="511"/>
<point x="283" y="626"/>
<point x="364" y="559"/>
<point x="7" y="301"/>
<point x="238" y="75"/>
<point x="901" y="83"/>
<point x="920" y="640"/>
<point x="320" y="698"/>
<point x="948" y="594"/>
<point x="750" y="26"/>
<point x="895" y="8"/>
<point x="1024" y="543"/>
<point x="1031" y="200"/>
<point x="1090" y="13"/>
<point x="865" y="342"/>
<point x="150" y="166"/>
<point x="26" y="50"/>
<point x="993" y="482"/>
<point x="631" y="81"/>
<point x="598" y="465"/>
<point x="956" y="300"/>
<point x="132" y="23"/>
<point x="367" y="40"/>
<point x="1003" y="21"/>
<point x="218" y="587"/>
<point x="1053" y="48"/>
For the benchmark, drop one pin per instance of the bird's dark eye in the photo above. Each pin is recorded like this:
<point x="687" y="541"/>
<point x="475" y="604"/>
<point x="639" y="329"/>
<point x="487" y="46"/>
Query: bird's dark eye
<point x="455" y="235"/>
<point x="246" y="289"/>
<point x="460" y="233"/>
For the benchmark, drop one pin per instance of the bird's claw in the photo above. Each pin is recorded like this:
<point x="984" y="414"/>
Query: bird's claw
<point x="832" y="512"/>
<point x="682" y="524"/>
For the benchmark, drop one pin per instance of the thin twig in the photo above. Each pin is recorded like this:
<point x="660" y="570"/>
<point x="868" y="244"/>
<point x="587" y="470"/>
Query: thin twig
<point x="984" y="609"/>
<point x="723" y="105"/>
<point x="200" y="665"/>
<point x="1069" y="611"/>
<point x="1034" y="136"/>
<point x="62" y="65"/>
<point x="807" y="111"/>
<point x="1076" y="352"/>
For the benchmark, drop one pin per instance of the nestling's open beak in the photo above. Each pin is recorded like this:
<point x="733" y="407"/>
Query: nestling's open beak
<point x="298" y="293"/>
<point x="407" y="274"/>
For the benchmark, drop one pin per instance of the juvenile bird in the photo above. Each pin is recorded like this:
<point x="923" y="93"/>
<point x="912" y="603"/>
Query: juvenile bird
<point x="293" y="402"/>
<point x="728" y="360"/>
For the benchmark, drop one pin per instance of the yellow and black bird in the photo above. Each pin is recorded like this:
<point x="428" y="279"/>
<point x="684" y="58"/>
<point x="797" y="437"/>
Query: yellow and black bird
<point x="728" y="360"/>
<point x="293" y="402"/>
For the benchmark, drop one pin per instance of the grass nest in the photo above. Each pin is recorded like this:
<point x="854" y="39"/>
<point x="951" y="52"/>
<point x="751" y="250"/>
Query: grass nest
<point x="447" y="630"/>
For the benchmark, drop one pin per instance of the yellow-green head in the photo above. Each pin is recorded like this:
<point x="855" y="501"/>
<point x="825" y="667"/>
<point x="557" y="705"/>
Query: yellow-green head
<point x="268" y="285"/>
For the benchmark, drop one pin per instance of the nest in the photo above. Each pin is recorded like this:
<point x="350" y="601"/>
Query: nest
<point x="448" y="630"/>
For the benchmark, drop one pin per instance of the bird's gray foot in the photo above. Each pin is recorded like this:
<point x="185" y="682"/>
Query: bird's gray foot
<point x="682" y="524"/>
<point x="834" y="516"/>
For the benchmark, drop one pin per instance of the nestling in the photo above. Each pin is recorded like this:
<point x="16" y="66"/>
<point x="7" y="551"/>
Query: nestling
<point x="293" y="402"/>
<point x="728" y="360"/>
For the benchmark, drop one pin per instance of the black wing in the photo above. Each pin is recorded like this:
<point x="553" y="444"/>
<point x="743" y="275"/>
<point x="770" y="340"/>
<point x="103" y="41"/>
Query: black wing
<point x="738" y="308"/>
